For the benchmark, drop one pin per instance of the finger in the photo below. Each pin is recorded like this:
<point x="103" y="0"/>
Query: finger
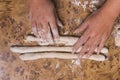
<point x="49" y="35"/>
<point x="89" y="46"/>
<point x="54" y="29"/>
<point x="59" y="23"/>
<point x="81" y="41"/>
<point x="33" y="25"/>
<point x="41" y="31"/>
<point x="34" y="29"/>
<point x="92" y="48"/>
<point x="35" y="32"/>
<point x="101" y="45"/>
<point x="82" y="27"/>
<point x="84" y="49"/>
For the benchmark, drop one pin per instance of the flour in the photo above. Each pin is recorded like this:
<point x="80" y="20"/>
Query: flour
<point x="117" y="35"/>
<point x="79" y="3"/>
<point x="87" y="4"/>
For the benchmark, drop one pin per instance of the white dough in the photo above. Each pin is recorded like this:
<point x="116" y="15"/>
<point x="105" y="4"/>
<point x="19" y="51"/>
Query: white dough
<point x="34" y="56"/>
<point x="48" y="49"/>
<point x="68" y="41"/>
<point x="117" y="35"/>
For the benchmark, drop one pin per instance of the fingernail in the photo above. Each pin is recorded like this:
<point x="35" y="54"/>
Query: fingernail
<point x="55" y="35"/>
<point x="51" y="42"/>
<point x="38" y="36"/>
<point x="59" y="23"/>
<point x="57" y="39"/>
<point x="75" y="32"/>
<point x="73" y="51"/>
<point x="87" y="56"/>
<point x="98" y="52"/>
<point x="78" y="62"/>
<point x="80" y="56"/>
<point x="49" y="38"/>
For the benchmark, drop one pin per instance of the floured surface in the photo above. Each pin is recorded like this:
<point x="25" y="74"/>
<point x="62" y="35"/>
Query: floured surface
<point x="56" y="69"/>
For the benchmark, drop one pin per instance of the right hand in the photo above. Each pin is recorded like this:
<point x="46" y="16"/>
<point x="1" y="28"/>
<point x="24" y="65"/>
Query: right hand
<point x="43" y="20"/>
<point x="97" y="29"/>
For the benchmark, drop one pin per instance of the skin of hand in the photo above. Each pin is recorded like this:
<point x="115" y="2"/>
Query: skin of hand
<point x="43" y="20"/>
<point x="97" y="27"/>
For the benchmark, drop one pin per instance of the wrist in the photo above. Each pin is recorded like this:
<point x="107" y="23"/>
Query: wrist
<point x="111" y="9"/>
<point x="37" y="1"/>
<point x="34" y="3"/>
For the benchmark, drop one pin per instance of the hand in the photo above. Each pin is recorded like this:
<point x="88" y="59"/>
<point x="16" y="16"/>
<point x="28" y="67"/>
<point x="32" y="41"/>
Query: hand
<point x="97" y="28"/>
<point x="43" y="20"/>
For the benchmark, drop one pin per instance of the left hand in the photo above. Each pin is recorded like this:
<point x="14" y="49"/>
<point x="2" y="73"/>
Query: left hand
<point x="44" y="20"/>
<point x="97" y="28"/>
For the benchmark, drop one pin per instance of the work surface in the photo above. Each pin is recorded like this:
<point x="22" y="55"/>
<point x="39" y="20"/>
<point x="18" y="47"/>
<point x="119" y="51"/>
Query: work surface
<point x="14" y="26"/>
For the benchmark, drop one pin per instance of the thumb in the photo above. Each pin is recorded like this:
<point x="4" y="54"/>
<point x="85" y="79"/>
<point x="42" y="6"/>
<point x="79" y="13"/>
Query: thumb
<point x="59" y="23"/>
<point x="82" y="27"/>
